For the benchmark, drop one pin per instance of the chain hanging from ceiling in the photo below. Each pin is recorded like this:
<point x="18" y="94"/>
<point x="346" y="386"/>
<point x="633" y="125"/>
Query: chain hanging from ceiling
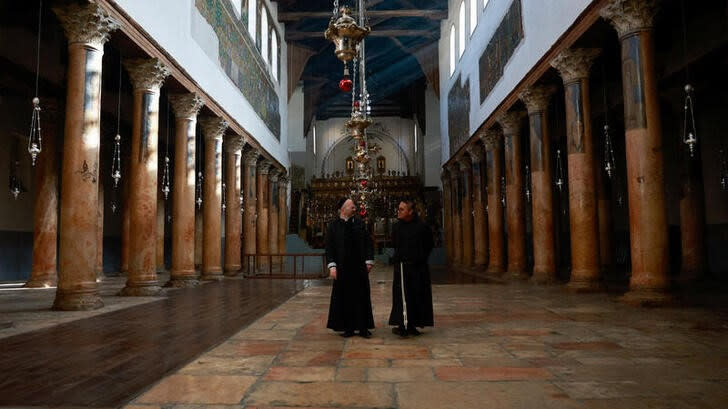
<point x="116" y="156"/>
<point x="723" y="170"/>
<point x="35" y="141"/>
<point x="166" y="184"/>
<point x="200" y="178"/>
<point x="690" y="133"/>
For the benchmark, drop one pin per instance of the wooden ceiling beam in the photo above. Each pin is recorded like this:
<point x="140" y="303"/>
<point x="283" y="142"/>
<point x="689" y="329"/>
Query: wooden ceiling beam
<point x="293" y="16"/>
<point x="302" y="35"/>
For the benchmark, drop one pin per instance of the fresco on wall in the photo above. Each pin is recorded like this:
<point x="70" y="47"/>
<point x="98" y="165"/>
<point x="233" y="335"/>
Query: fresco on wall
<point x="298" y="177"/>
<point x="243" y="65"/>
<point x="458" y="110"/>
<point x="500" y="48"/>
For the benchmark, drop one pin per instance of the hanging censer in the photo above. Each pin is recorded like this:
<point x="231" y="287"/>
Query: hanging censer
<point x="35" y="141"/>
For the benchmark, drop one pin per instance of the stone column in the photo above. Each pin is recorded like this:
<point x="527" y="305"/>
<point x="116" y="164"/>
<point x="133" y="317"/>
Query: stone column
<point x="447" y="214"/>
<point x="273" y="212"/>
<point x="198" y="238"/>
<point x="516" y="212"/>
<point x="633" y="20"/>
<point x="124" y="269"/>
<point x="213" y="130"/>
<point x="182" y="272"/>
<point x="262" y="245"/>
<point x="692" y="224"/>
<point x="457" y="203"/>
<point x="466" y="213"/>
<point x="87" y="28"/>
<point x="100" y="230"/>
<point x="160" y="231"/>
<point x="574" y="65"/>
<point x="249" y="205"/>
<point x="146" y="76"/>
<point x="480" y="224"/>
<point x="233" y="221"/>
<point x="494" y="172"/>
<point x="282" y="215"/>
<point x="544" y="249"/>
<point x="604" y="211"/>
<point x="45" y="211"/>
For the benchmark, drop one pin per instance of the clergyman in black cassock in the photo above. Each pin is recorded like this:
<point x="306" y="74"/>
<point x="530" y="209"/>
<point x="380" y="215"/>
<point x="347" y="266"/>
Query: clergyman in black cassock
<point x="412" y="241"/>
<point x="349" y="254"/>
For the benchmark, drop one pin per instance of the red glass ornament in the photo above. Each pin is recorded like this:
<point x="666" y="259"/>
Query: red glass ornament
<point x="363" y="212"/>
<point x="363" y="183"/>
<point x="356" y="104"/>
<point x="362" y="144"/>
<point x="346" y="85"/>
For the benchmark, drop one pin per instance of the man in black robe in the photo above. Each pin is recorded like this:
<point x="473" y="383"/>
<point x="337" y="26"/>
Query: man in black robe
<point x="412" y="241"/>
<point x="350" y="258"/>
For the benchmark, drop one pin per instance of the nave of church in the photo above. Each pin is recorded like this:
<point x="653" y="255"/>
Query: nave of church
<point x="163" y="238"/>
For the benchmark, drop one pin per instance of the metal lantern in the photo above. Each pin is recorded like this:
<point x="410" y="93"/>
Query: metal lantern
<point x="346" y="35"/>
<point x="358" y="124"/>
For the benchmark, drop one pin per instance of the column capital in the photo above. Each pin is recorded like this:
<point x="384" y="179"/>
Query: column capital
<point x="251" y="157"/>
<point x="234" y="144"/>
<point x="574" y="63"/>
<point x="465" y="163"/>
<point x="491" y="138"/>
<point x="628" y="16"/>
<point x="87" y="23"/>
<point x="273" y="174"/>
<point x="283" y="181"/>
<point x="263" y="166"/>
<point x="146" y="73"/>
<point x="537" y="97"/>
<point x="186" y="106"/>
<point x="445" y="177"/>
<point x="476" y="153"/>
<point x="213" y="127"/>
<point x="510" y="122"/>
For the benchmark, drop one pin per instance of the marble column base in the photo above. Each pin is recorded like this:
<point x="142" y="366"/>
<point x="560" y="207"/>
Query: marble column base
<point x="212" y="276"/>
<point x="77" y="300"/>
<point x="543" y="278"/>
<point x="183" y="282"/>
<point x="232" y="271"/>
<point x="41" y="283"/>
<point x="142" y="289"/>
<point x="585" y="286"/>
<point x="648" y="298"/>
<point x="496" y="270"/>
<point x="517" y="274"/>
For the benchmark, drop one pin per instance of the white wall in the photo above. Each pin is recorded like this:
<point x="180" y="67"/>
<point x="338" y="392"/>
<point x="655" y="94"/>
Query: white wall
<point x="296" y="140"/>
<point x="543" y="23"/>
<point x="171" y="23"/>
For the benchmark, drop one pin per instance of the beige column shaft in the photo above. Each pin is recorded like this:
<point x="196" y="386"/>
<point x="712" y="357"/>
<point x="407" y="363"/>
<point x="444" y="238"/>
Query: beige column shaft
<point x="146" y="76"/>
<point x="282" y="215"/>
<point x="466" y="170"/>
<point x="515" y="201"/>
<point x="273" y="214"/>
<point x="182" y="272"/>
<point x="457" y="203"/>
<point x="233" y="220"/>
<point x="692" y="224"/>
<point x="124" y="269"/>
<point x="447" y="214"/>
<point x="494" y="172"/>
<point x="213" y="130"/>
<point x="480" y="223"/>
<point x="87" y="28"/>
<point x="542" y="204"/>
<point x="198" y="237"/>
<point x="633" y="20"/>
<point x="45" y="213"/>
<point x="262" y="245"/>
<point x="250" y="194"/>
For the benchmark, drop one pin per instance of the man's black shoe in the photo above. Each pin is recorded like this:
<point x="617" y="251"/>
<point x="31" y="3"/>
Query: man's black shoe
<point x="413" y="331"/>
<point x="348" y="334"/>
<point x="365" y="333"/>
<point x="399" y="331"/>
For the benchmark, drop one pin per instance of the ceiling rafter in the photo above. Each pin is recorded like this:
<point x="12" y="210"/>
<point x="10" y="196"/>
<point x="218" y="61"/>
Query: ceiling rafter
<point x="292" y="35"/>
<point x="294" y="16"/>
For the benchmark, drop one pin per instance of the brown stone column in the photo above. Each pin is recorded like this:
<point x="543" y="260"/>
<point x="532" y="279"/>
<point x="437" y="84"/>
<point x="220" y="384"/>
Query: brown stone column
<point x="100" y="231"/>
<point x="574" y="65"/>
<point x="182" y="272"/>
<point x="457" y="203"/>
<point x="692" y="224"/>
<point x="146" y="76"/>
<point x="262" y="209"/>
<point x="515" y="206"/>
<point x="87" y="28"/>
<point x="213" y="130"/>
<point x="480" y="224"/>
<point x="466" y="213"/>
<point x="45" y="212"/>
<point x="447" y="214"/>
<point x="604" y="211"/>
<point x="198" y="238"/>
<point x="233" y="221"/>
<point x="159" y="247"/>
<point x="249" y="205"/>
<point x="282" y="215"/>
<point x="633" y="20"/>
<point x="125" y="218"/>
<point x="494" y="172"/>
<point x="273" y="213"/>
<point x="544" y="249"/>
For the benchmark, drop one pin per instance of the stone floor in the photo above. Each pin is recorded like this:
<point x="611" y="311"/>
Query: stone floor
<point x="493" y="346"/>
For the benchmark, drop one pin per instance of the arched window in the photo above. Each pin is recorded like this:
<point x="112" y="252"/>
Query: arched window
<point x="264" y="33"/>
<point x="473" y="15"/>
<point x="461" y="29"/>
<point x="274" y="54"/>
<point x="452" y="49"/>
<point x="251" y="18"/>
<point x="485" y="3"/>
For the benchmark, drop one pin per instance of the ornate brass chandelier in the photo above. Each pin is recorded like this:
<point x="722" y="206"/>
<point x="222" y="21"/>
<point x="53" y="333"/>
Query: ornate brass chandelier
<point x="346" y="35"/>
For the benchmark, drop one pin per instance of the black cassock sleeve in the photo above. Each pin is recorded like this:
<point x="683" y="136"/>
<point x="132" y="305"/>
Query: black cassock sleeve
<point x="331" y="256"/>
<point x="427" y="242"/>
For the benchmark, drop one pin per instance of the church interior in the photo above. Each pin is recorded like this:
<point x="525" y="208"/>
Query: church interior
<point x="173" y="166"/>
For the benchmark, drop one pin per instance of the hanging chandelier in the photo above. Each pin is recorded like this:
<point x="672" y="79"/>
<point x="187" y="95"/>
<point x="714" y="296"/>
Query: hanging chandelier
<point x="35" y="141"/>
<point x="345" y="33"/>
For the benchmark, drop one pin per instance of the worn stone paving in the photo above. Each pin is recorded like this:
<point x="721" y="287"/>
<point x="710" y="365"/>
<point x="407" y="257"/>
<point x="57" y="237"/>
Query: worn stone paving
<point x="493" y="346"/>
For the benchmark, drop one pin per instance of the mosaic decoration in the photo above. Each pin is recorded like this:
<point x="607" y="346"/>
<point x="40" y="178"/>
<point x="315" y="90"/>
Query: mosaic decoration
<point x="458" y="109"/>
<point x="298" y="177"/>
<point x="241" y="62"/>
<point x="500" y="49"/>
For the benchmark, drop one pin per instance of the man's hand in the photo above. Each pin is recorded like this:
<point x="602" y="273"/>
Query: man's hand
<point x="369" y="268"/>
<point x="332" y="272"/>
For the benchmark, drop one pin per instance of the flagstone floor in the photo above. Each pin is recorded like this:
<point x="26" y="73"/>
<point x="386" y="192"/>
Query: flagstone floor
<point x="493" y="346"/>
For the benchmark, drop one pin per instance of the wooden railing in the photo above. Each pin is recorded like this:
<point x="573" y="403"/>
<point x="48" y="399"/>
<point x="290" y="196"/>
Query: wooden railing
<point x="285" y="265"/>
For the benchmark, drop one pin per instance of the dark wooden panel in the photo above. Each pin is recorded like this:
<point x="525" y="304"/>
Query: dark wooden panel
<point x="106" y="360"/>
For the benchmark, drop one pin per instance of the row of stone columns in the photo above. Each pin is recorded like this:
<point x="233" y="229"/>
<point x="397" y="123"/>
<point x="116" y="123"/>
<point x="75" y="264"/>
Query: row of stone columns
<point x="81" y="202"/>
<point x="591" y="246"/>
